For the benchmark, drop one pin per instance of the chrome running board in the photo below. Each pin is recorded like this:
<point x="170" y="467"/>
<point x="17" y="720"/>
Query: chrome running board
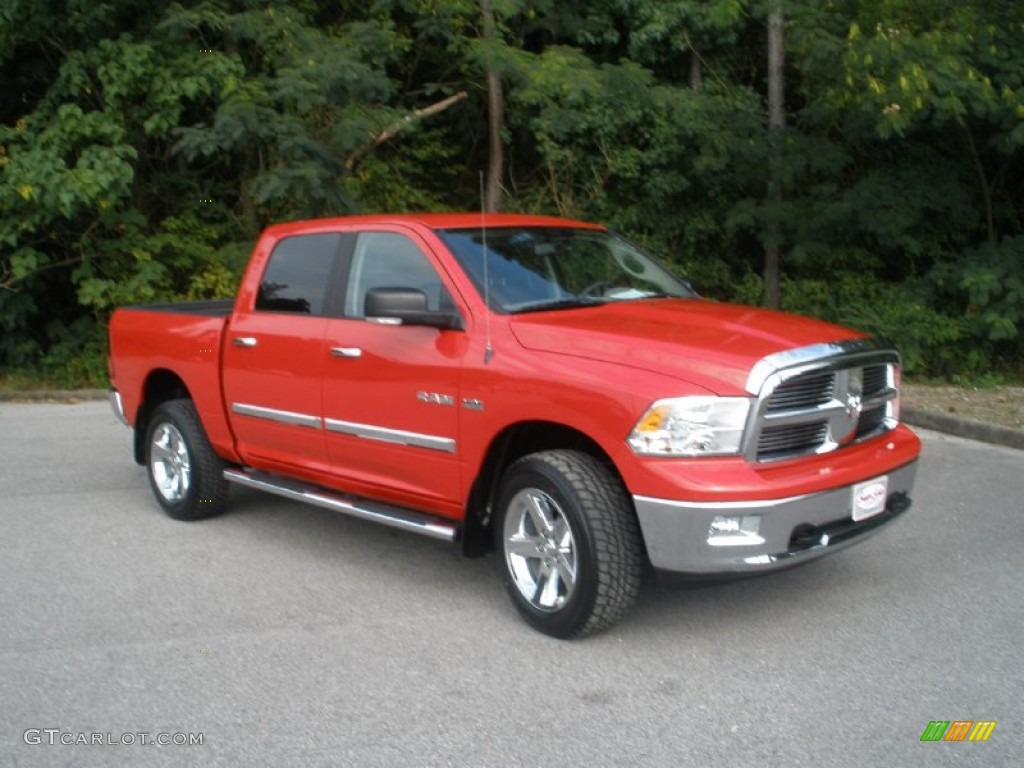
<point x="396" y="517"/>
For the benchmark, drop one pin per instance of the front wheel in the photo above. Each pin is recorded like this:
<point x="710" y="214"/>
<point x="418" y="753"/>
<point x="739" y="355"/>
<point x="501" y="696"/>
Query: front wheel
<point x="186" y="475"/>
<point x="570" y="543"/>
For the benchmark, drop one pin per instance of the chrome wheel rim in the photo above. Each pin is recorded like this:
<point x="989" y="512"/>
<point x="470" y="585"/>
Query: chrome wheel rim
<point x="169" y="463"/>
<point x="540" y="551"/>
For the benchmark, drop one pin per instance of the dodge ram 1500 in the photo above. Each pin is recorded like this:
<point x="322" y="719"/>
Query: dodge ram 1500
<point x="534" y="385"/>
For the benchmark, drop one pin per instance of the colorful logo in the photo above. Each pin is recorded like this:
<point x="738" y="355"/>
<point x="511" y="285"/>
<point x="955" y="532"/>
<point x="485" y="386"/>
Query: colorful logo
<point x="958" y="730"/>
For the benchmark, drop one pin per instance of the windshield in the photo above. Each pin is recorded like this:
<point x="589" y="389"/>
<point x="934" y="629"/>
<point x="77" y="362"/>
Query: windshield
<point x="540" y="268"/>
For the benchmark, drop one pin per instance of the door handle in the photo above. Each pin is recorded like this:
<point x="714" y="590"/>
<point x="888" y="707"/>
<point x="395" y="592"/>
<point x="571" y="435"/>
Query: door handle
<point x="244" y="341"/>
<point x="346" y="351"/>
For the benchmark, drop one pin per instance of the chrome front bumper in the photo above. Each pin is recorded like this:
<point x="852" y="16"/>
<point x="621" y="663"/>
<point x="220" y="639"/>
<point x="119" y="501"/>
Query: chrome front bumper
<point x="789" y="531"/>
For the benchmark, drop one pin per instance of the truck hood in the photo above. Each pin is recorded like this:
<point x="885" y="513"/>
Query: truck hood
<point x="703" y="342"/>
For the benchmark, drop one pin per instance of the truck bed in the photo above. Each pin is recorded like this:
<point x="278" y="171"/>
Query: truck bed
<point x="149" y="341"/>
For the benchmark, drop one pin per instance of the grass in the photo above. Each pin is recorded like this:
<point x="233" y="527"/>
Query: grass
<point x="33" y="382"/>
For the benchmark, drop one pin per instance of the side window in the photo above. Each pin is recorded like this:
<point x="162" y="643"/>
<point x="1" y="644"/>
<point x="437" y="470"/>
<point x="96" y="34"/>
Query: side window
<point x="390" y="260"/>
<point x="298" y="273"/>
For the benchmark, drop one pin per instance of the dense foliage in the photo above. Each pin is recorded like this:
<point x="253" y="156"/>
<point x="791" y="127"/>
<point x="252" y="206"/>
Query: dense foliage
<point x="144" y="143"/>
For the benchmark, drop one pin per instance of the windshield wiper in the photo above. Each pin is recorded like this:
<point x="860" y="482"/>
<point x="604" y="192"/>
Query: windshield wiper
<point x="570" y="303"/>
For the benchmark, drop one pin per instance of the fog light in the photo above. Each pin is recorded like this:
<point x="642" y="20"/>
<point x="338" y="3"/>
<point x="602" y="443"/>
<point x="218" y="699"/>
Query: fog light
<point x="727" y="531"/>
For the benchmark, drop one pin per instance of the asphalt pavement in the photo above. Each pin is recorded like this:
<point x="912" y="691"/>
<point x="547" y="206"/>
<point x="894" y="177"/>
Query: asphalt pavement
<point x="283" y="635"/>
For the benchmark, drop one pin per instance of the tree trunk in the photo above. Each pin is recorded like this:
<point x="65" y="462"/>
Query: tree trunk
<point x="496" y="156"/>
<point x="495" y="121"/>
<point x="984" y="186"/>
<point x="776" y="126"/>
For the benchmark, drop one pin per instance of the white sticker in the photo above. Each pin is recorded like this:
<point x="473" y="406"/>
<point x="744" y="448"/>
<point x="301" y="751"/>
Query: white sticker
<point x="869" y="498"/>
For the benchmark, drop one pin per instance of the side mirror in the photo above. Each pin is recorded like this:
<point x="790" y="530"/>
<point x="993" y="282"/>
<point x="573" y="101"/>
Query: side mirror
<point x="407" y="306"/>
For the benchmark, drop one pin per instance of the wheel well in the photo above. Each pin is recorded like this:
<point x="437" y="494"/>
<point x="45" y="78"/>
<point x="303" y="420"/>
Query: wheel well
<point x="161" y="385"/>
<point x="510" y="444"/>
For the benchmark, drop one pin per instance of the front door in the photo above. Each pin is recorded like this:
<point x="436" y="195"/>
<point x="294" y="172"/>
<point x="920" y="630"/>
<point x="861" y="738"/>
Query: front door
<point x="391" y="392"/>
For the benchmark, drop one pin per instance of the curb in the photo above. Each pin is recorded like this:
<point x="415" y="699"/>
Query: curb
<point x="954" y="425"/>
<point x="53" y="396"/>
<point x="915" y="417"/>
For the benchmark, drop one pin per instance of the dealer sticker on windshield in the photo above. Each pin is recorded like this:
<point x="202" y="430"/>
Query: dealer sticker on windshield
<point x="869" y="497"/>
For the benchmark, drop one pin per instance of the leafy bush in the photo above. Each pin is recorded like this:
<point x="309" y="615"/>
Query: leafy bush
<point x="932" y="343"/>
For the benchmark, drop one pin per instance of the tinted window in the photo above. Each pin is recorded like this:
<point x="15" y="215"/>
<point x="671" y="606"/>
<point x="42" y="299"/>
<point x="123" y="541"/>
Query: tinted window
<point x="297" y="274"/>
<point x="536" y="268"/>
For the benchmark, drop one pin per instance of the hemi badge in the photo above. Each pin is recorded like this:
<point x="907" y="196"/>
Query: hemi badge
<point x="472" y="404"/>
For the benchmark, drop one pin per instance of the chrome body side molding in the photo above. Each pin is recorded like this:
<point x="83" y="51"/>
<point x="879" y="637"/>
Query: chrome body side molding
<point x="397" y="436"/>
<point x="272" y="414"/>
<point x="368" y="431"/>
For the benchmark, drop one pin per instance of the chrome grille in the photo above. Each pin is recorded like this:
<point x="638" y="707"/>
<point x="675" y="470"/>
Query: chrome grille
<point x="814" y="404"/>
<point x="875" y="378"/>
<point x="779" y="442"/>
<point x="870" y="421"/>
<point x="803" y="391"/>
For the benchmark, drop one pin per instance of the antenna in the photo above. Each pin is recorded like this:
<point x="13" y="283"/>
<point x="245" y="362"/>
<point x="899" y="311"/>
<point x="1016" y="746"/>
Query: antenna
<point x="488" y="349"/>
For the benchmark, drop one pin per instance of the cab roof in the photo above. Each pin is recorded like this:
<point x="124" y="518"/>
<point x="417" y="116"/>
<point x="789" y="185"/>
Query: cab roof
<point x="471" y="220"/>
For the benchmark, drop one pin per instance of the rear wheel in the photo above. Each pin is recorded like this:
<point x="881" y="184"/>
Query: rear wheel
<point x="570" y="543"/>
<point x="186" y="476"/>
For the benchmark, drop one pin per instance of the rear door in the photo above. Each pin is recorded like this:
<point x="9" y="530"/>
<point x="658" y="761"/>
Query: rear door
<point x="274" y="356"/>
<point x="391" y="392"/>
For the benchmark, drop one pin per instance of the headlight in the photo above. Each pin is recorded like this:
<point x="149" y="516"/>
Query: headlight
<point x="691" y="426"/>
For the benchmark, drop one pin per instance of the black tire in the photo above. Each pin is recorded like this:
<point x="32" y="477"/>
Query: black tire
<point x="186" y="476"/>
<point x="598" y="548"/>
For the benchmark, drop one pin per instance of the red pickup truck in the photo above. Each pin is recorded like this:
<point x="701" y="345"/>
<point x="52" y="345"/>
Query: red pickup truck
<point x="531" y="384"/>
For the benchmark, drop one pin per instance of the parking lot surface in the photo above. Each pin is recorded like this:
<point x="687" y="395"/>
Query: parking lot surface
<point x="284" y="635"/>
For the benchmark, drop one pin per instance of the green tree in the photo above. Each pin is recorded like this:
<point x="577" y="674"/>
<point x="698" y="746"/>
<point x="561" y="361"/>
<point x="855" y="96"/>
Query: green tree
<point x="143" y="143"/>
<point x="922" y="106"/>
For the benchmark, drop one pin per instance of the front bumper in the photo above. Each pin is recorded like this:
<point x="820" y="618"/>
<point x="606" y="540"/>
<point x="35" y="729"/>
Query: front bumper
<point x="791" y="531"/>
